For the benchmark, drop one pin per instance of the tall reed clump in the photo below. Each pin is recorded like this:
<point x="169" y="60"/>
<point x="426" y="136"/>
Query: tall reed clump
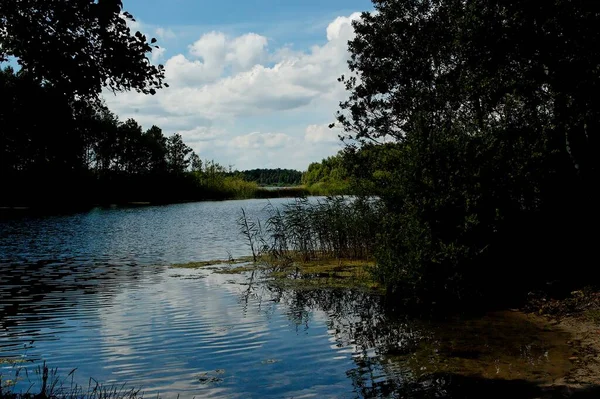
<point x="334" y="227"/>
<point x="253" y="233"/>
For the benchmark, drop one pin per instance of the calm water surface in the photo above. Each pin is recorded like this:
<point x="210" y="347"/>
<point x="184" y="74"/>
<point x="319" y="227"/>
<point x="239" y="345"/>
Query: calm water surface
<point x="94" y="291"/>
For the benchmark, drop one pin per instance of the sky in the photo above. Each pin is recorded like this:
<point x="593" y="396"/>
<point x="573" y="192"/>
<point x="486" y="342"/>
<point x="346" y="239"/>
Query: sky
<point x="252" y="84"/>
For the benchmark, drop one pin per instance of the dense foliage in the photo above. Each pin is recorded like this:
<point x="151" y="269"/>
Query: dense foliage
<point x="477" y="125"/>
<point x="273" y="177"/>
<point x="58" y="143"/>
<point x="328" y="177"/>
<point x="78" y="47"/>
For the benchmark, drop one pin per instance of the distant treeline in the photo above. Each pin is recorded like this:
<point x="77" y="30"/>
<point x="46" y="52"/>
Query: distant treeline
<point x="57" y="151"/>
<point x="272" y="177"/>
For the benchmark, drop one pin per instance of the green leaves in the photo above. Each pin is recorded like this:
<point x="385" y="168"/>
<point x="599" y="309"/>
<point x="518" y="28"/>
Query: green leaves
<point x="485" y="111"/>
<point x="177" y="154"/>
<point x="79" y="47"/>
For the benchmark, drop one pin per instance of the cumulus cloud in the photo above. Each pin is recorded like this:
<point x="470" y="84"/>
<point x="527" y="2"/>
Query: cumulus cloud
<point x="246" y="51"/>
<point x="224" y="84"/>
<point x="181" y="73"/>
<point x="260" y="90"/>
<point x="296" y="80"/>
<point x="211" y="47"/>
<point x="341" y="27"/>
<point x="210" y="57"/>
<point x="158" y="54"/>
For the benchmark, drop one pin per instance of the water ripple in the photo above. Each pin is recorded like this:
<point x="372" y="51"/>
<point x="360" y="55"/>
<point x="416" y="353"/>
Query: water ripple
<point x="93" y="291"/>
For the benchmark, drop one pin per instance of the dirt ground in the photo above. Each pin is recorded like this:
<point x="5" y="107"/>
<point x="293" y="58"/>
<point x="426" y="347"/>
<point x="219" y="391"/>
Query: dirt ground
<point x="579" y="316"/>
<point x="585" y="343"/>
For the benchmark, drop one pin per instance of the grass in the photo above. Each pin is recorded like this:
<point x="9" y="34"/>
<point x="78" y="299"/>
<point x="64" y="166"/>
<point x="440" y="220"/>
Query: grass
<point x="296" y="273"/>
<point x="49" y="385"/>
<point x="325" y="274"/>
<point x="327" y="243"/>
<point x="336" y="227"/>
<point x="240" y="269"/>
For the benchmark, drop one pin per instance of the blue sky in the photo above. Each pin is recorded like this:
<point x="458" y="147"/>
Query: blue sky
<point x="253" y="84"/>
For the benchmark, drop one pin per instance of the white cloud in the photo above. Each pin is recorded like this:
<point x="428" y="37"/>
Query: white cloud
<point x="200" y="134"/>
<point x="293" y="82"/>
<point x="182" y="73"/>
<point x="261" y="140"/>
<point x="341" y="27"/>
<point x="258" y="91"/>
<point x="247" y="51"/>
<point x="211" y="47"/>
<point x="229" y="93"/>
<point x="158" y="54"/>
<point x="164" y="34"/>
<point x="211" y="55"/>
<point x="320" y="134"/>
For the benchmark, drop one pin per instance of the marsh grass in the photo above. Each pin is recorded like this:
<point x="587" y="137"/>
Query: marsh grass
<point x="46" y="383"/>
<point x="315" y="244"/>
<point x="334" y="228"/>
<point x="325" y="274"/>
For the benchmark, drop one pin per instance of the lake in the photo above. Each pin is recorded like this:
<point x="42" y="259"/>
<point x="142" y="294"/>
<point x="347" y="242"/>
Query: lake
<point x="94" y="291"/>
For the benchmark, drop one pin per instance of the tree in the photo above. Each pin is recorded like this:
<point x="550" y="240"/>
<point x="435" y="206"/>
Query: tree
<point x="479" y="64"/>
<point x="132" y="157"/>
<point x="78" y="46"/>
<point x="479" y="125"/>
<point x="155" y="144"/>
<point x="177" y="154"/>
<point x="195" y="162"/>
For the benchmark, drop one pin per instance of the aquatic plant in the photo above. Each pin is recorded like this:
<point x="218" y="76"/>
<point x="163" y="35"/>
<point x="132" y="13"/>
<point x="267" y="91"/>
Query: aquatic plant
<point x="331" y="228"/>
<point x="253" y="232"/>
<point x="49" y="385"/>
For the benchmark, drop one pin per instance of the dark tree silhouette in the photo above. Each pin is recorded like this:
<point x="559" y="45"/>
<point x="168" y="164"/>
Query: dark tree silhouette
<point x="477" y="124"/>
<point x="80" y="47"/>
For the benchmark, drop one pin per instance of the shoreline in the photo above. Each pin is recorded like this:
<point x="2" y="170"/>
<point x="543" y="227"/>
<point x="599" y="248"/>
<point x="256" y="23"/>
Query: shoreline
<point x="584" y="342"/>
<point x="573" y="317"/>
<point x="586" y="349"/>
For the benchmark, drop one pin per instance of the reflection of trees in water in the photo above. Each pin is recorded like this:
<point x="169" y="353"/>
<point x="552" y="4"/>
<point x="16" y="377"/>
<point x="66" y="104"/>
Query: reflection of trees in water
<point x="357" y="320"/>
<point x="396" y="356"/>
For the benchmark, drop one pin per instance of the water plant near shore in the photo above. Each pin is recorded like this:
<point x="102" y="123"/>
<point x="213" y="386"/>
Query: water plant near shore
<point x="50" y="385"/>
<point x="331" y="228"/>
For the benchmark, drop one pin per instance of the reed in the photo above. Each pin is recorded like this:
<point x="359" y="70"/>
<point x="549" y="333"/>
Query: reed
<point x="46" y="383"/>
<point x="331" y="228"/>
